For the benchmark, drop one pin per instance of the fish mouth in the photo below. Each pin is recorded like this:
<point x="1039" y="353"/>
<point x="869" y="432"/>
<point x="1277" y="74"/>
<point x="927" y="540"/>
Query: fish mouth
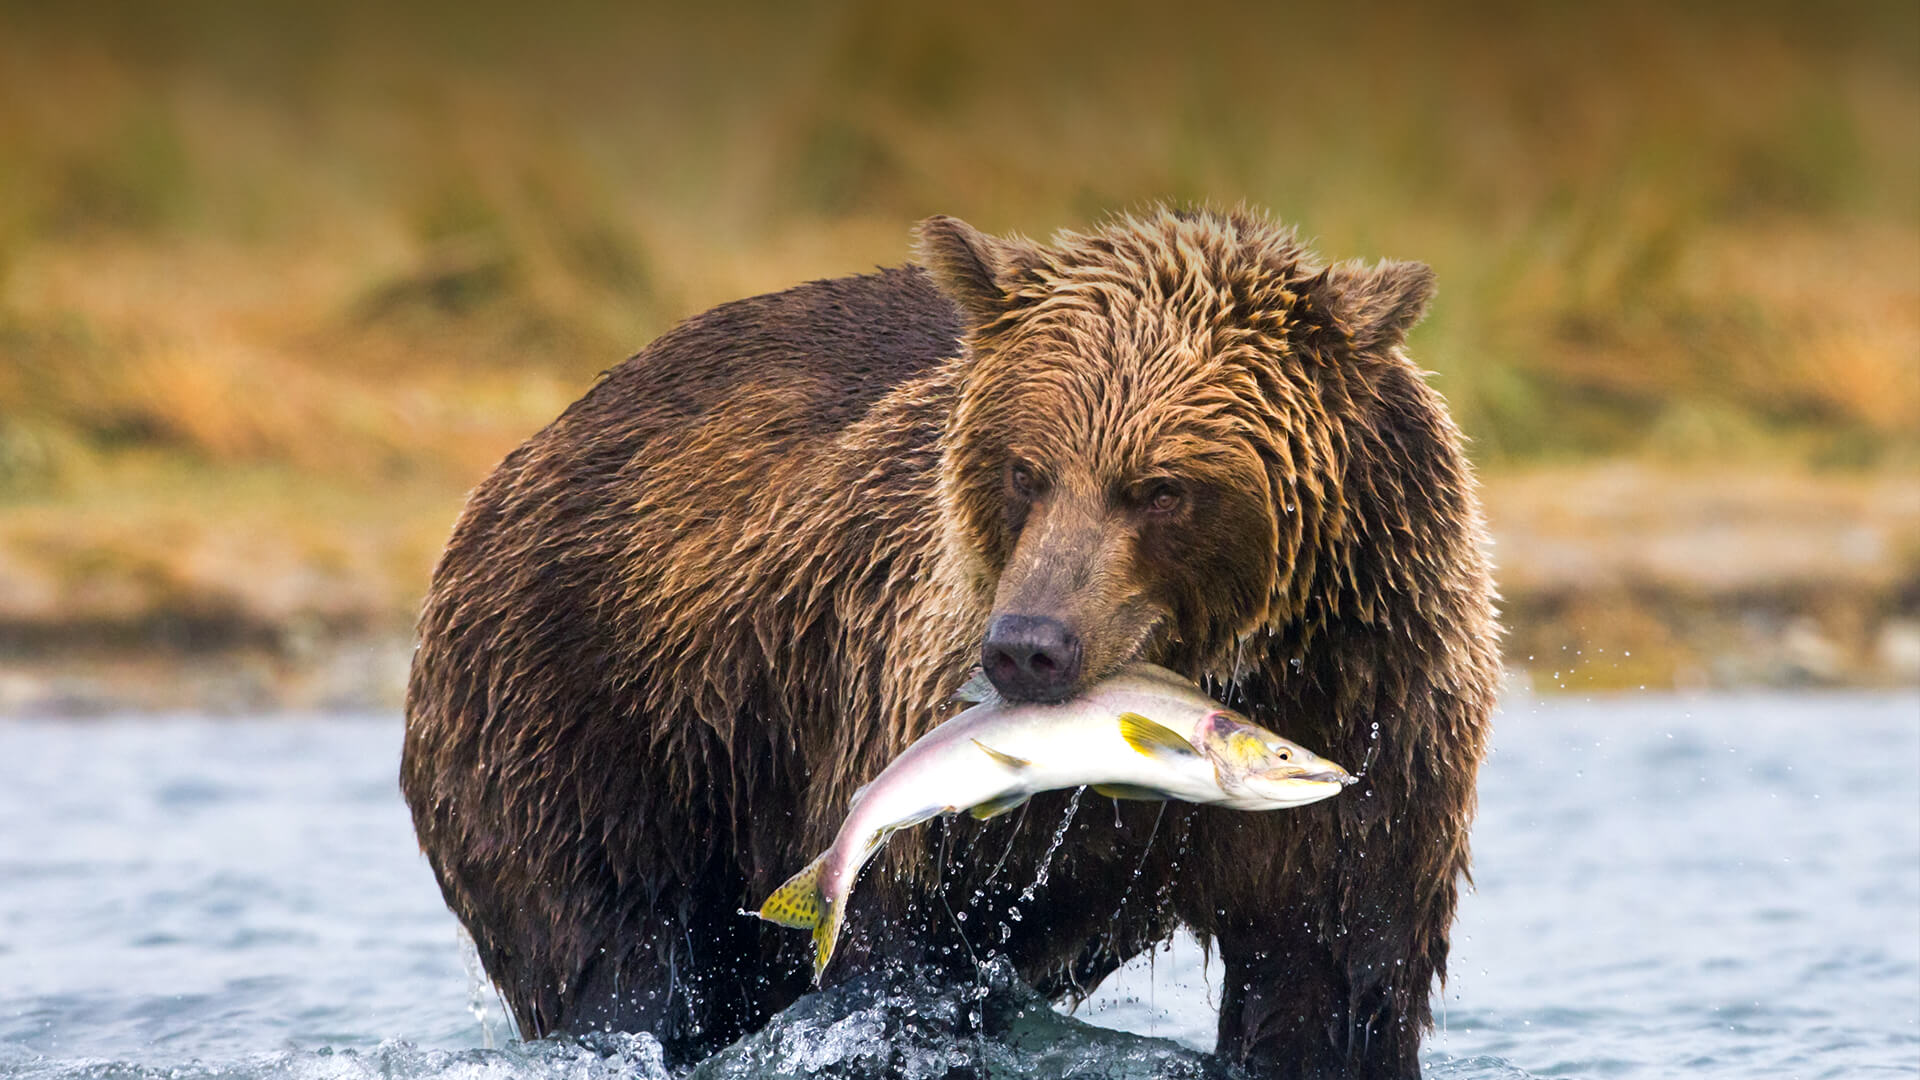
<point x="1335" y="775"/>
<point x="1300" y="789"/>
<point x="1327" y="773"/>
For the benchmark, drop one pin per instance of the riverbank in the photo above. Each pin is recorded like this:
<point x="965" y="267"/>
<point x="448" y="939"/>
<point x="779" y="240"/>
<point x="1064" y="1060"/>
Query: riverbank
<point x="263" y="598"/>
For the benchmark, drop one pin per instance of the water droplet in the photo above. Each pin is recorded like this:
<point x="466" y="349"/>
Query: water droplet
<point x="477" y="987"/>
<point x="1059" y="835"/>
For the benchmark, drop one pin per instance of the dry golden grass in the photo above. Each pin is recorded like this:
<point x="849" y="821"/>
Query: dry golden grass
<point x="279" y="282"/>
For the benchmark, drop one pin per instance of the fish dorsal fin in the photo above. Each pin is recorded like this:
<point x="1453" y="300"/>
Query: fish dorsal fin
<point x="1159" y="674"/>
<point x="1006" y="759"/>
<point x="798" y="902"/>
<point x="993" y="808"/>
<point x="978" y="688"/>
<point x="1131" y="791"/>
<point x="1153" y="739"/>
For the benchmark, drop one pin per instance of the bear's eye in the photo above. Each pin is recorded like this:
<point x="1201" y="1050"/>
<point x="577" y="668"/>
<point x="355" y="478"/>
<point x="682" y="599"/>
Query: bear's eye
<point x="1162" y="497"/>
<point x="1023" y="480"/>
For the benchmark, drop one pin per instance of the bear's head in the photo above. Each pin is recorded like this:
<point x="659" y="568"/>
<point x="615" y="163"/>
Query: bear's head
<point x="1148" y="454"/>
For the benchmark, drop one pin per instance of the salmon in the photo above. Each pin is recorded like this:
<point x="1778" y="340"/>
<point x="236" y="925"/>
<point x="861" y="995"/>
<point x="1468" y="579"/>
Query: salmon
<point x="1143" y="733"/>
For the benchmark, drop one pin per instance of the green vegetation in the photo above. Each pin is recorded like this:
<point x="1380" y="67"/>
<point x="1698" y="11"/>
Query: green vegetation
<point x="342" y="257"/>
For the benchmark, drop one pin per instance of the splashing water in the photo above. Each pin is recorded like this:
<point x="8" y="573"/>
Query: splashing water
<point x="916" y="1025"/>
<point x="1373" y="738"/>
<point x="480" y="989"/>
<point x="1059" y="837"/>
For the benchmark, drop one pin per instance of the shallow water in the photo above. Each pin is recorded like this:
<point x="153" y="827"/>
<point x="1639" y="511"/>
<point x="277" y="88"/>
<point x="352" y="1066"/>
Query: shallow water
<point x="1719" y="886"/>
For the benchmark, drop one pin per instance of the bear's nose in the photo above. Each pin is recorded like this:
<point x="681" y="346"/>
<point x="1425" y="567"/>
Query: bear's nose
<point x="1031" y="658"/>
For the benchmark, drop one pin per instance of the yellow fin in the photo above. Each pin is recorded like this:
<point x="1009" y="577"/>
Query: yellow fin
<point x="1131" y="791"/>
<point x="1153" y="739"/>
<point x="1008" y="760"/>
<point x="995" y="807"/>
<point x="798" y="903"/>
<point x="803" y="905"/>
<point x="826" y="934"/>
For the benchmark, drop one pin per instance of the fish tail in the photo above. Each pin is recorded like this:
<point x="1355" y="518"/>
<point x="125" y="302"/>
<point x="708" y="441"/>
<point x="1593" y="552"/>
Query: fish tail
<point x="799" y="902"/>
<point x="826" y="934"/>
<point x="804" y="905"/>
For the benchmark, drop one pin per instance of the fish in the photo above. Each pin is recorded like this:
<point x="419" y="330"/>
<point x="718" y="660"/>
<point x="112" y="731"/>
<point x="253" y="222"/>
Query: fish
<point x="1144" y="733"/>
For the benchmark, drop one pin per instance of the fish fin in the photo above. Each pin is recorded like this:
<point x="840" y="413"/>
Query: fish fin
<point x="908" y="822"/>
<point x="993" y="808"/>
<point x="1153" y="739"/>
<point x="798" y="903"/>
<point x="826" y="935"/>
<point x="1008" y="760"/>
<point x="977" y="689"/>
<point x="1131" y="791"/>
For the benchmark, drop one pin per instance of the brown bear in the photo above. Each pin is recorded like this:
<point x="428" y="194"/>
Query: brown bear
<point x="676" y="629"/>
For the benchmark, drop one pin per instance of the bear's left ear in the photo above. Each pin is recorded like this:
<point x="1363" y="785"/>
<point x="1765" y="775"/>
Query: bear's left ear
<point x="978" y="271"/>
<point x="1378" y="304"/>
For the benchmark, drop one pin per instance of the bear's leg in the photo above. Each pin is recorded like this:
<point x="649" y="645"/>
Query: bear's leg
<point x="1283" y="1001"/>
<point x="1331" y="976"/>
<point x="690" y="969"/>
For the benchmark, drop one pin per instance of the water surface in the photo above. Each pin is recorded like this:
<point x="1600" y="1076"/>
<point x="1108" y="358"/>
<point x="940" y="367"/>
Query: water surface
<point x="1721" y="886"/>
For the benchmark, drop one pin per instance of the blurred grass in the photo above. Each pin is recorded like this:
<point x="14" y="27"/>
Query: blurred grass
<point x="342" y="257"/>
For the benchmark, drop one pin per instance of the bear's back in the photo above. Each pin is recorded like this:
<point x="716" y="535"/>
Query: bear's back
<point x="689" y="432"/>
<point x="569" y="557"/>
<point x="819" y="353"/>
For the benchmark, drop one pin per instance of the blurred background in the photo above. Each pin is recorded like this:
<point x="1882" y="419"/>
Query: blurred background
<point x="279" y="283"/>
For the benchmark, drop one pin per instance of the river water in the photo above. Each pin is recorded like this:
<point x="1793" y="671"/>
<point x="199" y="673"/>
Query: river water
<point x="1711" y="886"/>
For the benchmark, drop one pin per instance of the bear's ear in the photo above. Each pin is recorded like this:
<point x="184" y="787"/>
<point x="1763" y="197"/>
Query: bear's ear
<point x="1378" y="304"/>
<point x="978" y="271"/>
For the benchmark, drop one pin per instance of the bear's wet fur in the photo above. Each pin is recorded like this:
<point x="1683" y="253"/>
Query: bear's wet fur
<point x="676" y="629"/>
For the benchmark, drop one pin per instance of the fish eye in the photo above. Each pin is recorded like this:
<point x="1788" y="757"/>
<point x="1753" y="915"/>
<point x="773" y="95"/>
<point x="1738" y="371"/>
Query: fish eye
<point x="1284" y="756"/>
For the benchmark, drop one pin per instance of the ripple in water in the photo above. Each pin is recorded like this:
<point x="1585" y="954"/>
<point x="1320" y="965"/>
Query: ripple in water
<point x="1713" y="887"/>
<point x="611" y="1057"/>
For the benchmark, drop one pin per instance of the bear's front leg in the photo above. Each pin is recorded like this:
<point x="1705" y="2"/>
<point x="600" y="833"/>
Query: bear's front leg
<point x="1329" y="962"/>
<point x="1283" y="1001"/>
<point x="1295" y="1005"/>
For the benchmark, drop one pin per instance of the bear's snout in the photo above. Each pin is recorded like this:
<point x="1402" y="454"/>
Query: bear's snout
<point x="1031" y="658"/>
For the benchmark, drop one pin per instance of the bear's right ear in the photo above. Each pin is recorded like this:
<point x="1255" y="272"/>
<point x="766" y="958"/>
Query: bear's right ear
<point x="979" y="272"/>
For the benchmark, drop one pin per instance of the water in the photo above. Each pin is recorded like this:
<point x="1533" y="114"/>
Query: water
<point x="1724" y="886"/>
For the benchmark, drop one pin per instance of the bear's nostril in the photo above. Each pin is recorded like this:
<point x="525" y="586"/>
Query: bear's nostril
<point x="1031" y="658"/>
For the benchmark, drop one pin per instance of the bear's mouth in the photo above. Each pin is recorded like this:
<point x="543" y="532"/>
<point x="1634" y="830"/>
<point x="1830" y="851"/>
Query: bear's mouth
<point x="1152" y="644"/>
<point x="1022" y="656"/>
